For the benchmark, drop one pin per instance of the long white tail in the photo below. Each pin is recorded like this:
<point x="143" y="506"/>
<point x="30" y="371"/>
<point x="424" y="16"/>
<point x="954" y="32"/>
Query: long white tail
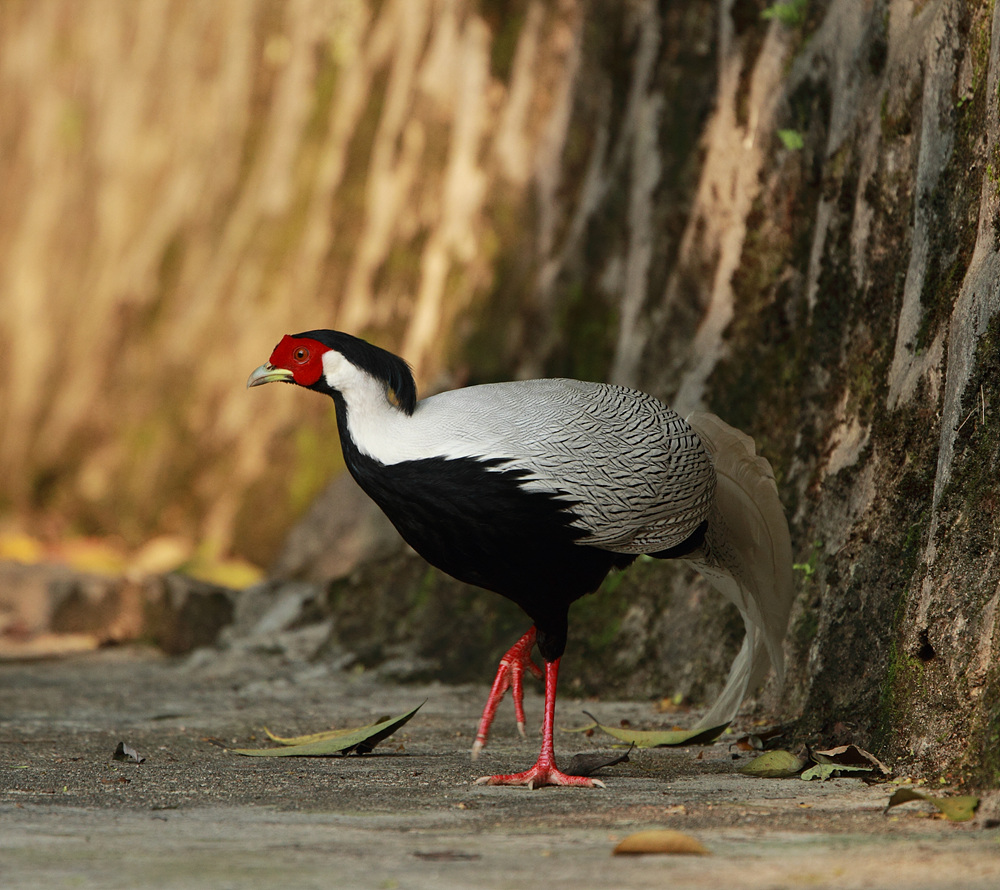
<point x="747" y="557"/>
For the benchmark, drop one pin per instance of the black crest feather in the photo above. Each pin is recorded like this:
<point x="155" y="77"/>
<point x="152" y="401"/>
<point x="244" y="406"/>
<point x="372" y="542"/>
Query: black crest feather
<point x="380" y="363"/>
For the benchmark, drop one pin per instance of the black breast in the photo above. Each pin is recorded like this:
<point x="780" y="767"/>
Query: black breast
<point x="474" y="520"/>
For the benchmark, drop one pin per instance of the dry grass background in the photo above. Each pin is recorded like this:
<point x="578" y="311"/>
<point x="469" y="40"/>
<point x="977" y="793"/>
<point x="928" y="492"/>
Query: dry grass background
<point x="183" y="182"/>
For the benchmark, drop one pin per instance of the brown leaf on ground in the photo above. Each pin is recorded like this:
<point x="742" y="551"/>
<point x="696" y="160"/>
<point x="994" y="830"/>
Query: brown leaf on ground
<point x="851" y="755"/>
<point x="956" y="808"/>
<point x="661" y="840"/>
<point x="590" y="763"/>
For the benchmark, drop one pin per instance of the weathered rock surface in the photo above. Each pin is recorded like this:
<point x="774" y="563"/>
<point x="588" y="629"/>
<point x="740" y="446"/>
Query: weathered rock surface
<point x="48" y="609"/>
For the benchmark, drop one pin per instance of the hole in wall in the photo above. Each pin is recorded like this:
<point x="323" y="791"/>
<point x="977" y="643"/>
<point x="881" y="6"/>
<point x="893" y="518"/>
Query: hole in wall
<point x="926" y="651"/>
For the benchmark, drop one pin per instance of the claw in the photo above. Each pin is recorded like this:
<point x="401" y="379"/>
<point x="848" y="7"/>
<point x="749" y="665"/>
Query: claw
<point x="541" y="775"/>
<point x="545" y="771"/>
<point x="510" y="673"/>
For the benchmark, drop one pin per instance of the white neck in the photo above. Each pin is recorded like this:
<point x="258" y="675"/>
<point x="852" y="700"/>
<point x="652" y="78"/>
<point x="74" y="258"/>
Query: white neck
<point x="373" y="421"/>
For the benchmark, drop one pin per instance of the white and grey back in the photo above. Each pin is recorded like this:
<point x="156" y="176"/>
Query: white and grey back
<point x="640" y="478"/>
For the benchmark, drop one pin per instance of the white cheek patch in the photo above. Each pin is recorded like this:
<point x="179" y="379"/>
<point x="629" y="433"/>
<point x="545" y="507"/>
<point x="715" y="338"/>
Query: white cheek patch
<point x="334" y="365"/>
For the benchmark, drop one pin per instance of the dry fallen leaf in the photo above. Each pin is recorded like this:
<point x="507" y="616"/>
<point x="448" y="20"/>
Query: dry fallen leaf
<point x="758" y="741"/>
<point x="359" y="741"/>
<point x="589" y="763"/>
<point x="660" y="840"/>
<point x="99" y="556"/>
<point x="161" y="554"/>
<point x="20" y="547"/>
<point x="845" y="760"/>
<point x="446" y="856"/>
<point x="826" y="771"/>
<point x="234" y="573"/>
<point x="773" y="765"/>
<point x="127" y="753"/>
<point x="851" y="755"/>
<point x="960" y="808"/>
<point x="644" y="738"/>
<point x="325" y="736"/>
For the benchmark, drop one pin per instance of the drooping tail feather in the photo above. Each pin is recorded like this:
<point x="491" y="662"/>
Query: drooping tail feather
<point x="747" y="557"/>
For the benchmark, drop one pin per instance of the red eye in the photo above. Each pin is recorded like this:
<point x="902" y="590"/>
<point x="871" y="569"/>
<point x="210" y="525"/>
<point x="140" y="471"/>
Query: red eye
<point x="301" y="354"/>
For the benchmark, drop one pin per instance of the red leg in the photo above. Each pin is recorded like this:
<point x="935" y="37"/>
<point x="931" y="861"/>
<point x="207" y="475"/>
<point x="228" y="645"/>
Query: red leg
<point x="510" y="675"/>
<point x="545" y="771"/>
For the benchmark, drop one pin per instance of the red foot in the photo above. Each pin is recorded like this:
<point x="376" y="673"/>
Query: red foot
<point x="510" y="675"/>
<point x="539" y="776"/>
<point x="545" y="771"/>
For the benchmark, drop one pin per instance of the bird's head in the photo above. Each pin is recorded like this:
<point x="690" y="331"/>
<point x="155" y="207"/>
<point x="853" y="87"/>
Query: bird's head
<point x="337" y="364"/>
<point x="296" y="359"/>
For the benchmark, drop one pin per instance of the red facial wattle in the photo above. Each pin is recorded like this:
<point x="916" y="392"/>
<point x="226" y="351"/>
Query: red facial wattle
<point x="300" y="355"/>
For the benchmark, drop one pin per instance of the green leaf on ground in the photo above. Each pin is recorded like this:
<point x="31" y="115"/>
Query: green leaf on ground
<point x="327" y="744"/>
<point x="655" y="738"/>
<point x="327" y="735"/>
<point x="960" y="808"/>
<point x="773" y="765"/>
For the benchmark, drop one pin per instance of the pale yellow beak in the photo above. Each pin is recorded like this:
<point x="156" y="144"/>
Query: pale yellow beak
<point x="267" y="373"/>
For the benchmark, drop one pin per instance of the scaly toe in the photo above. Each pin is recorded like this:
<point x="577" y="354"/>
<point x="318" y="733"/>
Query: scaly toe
<point x="539" y="777"/>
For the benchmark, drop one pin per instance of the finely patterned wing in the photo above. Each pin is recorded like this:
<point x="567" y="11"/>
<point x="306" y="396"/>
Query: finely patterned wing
<point x="636" y="474"/>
